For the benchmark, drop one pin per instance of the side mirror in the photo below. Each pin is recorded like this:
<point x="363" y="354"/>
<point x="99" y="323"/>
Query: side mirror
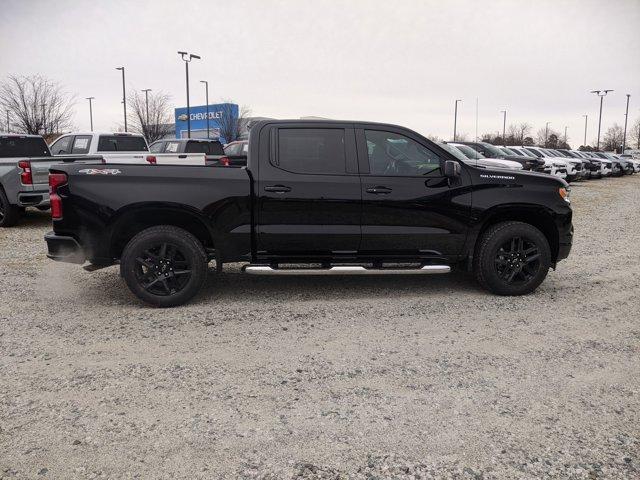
<point x="452" y="169"/>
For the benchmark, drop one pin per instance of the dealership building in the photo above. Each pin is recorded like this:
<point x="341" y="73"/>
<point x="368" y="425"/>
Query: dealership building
<point x="219" y="114"/>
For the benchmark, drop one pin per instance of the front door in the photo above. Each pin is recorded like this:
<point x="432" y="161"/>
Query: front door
<point x="409" y="207"/>
<point x="309" y="198"/>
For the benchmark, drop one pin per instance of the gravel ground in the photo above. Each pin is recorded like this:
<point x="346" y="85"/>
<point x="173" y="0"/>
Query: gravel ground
<point x="353" y="377"/>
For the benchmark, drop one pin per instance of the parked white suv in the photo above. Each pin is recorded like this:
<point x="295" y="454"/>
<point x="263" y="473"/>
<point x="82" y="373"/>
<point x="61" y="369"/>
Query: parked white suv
<point x="552" y="166"/>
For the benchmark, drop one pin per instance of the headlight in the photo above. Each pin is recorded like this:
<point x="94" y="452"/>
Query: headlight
<point x="565" y="193"/>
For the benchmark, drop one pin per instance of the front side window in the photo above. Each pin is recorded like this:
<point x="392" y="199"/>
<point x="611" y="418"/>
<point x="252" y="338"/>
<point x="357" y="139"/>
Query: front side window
<point x="156" y="147"/>
<point x="392" y="154"/>
<point x="312" y="150"/>
<point x="81" y="144"/>
<point x="62" y="146"/>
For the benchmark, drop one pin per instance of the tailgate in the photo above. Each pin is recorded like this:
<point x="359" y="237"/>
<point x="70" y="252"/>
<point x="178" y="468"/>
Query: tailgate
<point x="40" y="165"/>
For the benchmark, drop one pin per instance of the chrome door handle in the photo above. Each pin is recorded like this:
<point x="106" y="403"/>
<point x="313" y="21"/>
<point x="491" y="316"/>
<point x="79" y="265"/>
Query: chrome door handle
<point x="379" y="190"/>
<point x="277" y="188"/>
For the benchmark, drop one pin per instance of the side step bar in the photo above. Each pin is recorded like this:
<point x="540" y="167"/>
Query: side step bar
<point x="346" y="270"/>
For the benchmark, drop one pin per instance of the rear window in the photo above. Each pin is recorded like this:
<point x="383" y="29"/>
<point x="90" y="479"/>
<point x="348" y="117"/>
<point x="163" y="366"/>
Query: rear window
<point x="23" y="147"/>
<point x="209" y="148"/>
<point x="312" y="150"/>
<point x="117" y="143"/>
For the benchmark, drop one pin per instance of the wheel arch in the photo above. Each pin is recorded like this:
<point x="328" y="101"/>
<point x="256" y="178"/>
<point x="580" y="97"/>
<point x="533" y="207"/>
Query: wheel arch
<point x="134" y="219"/>
<point x="534" y="215"/>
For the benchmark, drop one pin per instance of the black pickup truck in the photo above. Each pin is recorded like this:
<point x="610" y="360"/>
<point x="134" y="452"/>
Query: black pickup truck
<point x="316" y="197"/>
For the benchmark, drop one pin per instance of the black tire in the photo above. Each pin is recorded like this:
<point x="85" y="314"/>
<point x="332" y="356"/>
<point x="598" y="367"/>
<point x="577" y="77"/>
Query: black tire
<point x="512" y="258"/>
<point x="164" y="266"/>
<point x="9" y="214"/>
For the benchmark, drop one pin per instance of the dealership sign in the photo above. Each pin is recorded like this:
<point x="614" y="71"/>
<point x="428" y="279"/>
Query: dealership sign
<point x="218" y="113"/>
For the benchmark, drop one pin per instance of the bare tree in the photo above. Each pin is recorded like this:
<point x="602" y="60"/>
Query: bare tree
<point x="633" y="136"/>
<point x="36" y="105"/>
<point x="547" y="138"/>
<point x="154" y="121"/>
<point x="612" y="139"/>
<point x="232" y="122"/>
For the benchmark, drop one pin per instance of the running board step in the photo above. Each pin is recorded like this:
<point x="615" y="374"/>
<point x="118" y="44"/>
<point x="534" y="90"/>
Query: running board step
<point x="346" y="270"/>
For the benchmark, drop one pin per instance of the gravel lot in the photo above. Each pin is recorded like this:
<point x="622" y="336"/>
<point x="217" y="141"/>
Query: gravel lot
<point x="353" y="377"/>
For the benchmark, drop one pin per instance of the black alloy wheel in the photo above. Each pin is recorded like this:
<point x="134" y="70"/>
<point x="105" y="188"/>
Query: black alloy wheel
<point x="163" y="269"/>
<point x="517" y="260"/>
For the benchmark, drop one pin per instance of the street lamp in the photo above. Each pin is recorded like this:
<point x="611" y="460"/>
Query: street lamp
<point x="90" y="112"/>
<point x="504" y="128"/>
<point x="626" y="117"/>
<point x="146" y="101"/>
<point x="187" y="57"/>
<point x="455" y="119"/>
<point x="546" y="134"/>
<point x="124" y="98"/>
<point x="565" y="134"/>
<point x="586" y="118"/>
<point x="206" y="94"/>
<point x="601" y="94"/>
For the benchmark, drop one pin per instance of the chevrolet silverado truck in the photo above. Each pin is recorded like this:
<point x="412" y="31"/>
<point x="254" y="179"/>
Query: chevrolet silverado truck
<point x="24" y="175"/>
<point x="316" y="197"/>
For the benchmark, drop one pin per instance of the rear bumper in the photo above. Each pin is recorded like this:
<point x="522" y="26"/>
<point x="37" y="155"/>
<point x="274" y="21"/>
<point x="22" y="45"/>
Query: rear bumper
<point x="64" y="249"/>
<point x="33" y="198"/>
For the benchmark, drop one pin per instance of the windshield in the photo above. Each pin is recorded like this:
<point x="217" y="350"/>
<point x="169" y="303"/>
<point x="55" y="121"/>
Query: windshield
<point x="453" y="151"/>
<point x="469" y="152"/>
<point x="508" y="151"/>
<point x="23" y="147"/>
<point x="493" y="150"/>
<point x="535" y="152"/>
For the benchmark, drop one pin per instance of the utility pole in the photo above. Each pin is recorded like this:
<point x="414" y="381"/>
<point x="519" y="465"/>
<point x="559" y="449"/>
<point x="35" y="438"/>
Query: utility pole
<point x="455" y="119"/>
<point x="146" y="101"/>
<point x="8" y="130"/>
<point x="626" y="117"/>
<point x="44" y="121"/>
<point x="565" y="134"/>
<point x="546" y="134"/>
<point x="601" y="94"/>
<point x="504" y="128"/>
<point x="124" y="98"/>
<point x="586" y="117"/>
<point x="187" y="57"/>
<point x="206" y="94"/>
<point x="91" y="112"/>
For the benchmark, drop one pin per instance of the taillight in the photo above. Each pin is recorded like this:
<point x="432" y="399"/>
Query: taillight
<point x="55" y="181"/>
<point x="224" y="161"/>
<point x="152" y="159"/>
<point x="25" y="176"/>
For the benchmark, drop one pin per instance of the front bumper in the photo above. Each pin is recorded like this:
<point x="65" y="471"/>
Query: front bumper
<point x="565" y="242"/>
<point x="64" y="249"/>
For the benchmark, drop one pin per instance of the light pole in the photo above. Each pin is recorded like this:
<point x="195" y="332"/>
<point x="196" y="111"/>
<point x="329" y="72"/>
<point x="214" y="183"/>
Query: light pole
<point x="455" y="119"/>
<point x="187" y="57"/>
<point x="601" y="94"/>
<point x="206" y="95"/>
<point x="90" y="112"/>
<point x="146" y="102"/>
<point x="44" y="121"/>
<point x="626" y="117"/>
<point x="546" y="134"/>
<point x="8" y="131"/>
<point x="124" y="98"/>
<point x="565" y="134"/>
<point x="504" y="128"/>
<point x="586" y="118"/>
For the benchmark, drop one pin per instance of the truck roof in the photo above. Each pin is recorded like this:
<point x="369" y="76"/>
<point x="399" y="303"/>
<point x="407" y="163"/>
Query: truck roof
<point x="18" y="135"/>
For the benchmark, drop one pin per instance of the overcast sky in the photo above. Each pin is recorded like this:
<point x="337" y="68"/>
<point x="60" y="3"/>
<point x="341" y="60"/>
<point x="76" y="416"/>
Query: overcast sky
<point x="394" y="61"/>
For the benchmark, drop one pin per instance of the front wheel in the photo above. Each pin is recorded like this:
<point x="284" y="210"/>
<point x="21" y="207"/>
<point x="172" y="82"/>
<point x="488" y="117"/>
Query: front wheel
<point x="512" y="258"/>
<point x="164" y="266"/>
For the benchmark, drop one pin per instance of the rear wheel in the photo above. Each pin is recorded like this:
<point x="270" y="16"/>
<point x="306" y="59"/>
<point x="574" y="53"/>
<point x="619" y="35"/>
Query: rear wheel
<point x="9" y="214"/>
<point x="512" y="258"/>
<point x="164" y="266"/>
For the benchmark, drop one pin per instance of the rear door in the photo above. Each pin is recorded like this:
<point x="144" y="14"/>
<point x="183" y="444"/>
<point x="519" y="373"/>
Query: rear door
<point x="309" y="196"/>
<point x="409" y="208"/>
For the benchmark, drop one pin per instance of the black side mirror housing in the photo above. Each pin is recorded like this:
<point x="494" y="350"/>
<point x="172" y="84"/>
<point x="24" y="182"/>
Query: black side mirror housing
<point x="452" y="169"/>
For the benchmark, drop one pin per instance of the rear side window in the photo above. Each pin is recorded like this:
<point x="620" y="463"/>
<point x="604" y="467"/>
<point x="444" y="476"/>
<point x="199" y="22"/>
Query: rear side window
<point x="172" y="147"/>
<point x="233" y="149"/>
<point x="23" y="147"/>
<point x="312" y="150"/>
<point x="117" y="143"/>
<point x="62" y="146"/>
<point x="81" y="144"/>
